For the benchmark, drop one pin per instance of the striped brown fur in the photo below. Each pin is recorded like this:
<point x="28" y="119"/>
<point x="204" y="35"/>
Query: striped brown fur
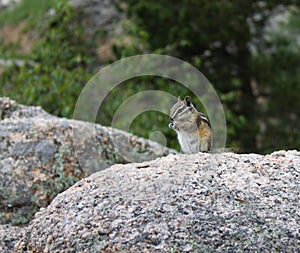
<point x="192" y="127"/>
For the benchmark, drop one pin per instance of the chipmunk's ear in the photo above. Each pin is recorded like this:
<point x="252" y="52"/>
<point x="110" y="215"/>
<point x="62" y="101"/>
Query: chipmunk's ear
<point x="188" y="101"/>
<point x="178" y="99"/>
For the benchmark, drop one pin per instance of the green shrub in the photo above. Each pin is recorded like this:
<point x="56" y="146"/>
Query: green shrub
<point x="63" y="63"/>
<point x="33" y="11"/>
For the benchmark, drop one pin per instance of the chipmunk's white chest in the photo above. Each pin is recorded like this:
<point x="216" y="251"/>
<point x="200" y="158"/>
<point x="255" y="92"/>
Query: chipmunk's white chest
<point x="188" y="141"/>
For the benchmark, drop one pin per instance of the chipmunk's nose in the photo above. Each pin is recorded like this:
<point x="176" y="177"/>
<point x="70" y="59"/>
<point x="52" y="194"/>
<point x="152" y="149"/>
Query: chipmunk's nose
<point x="172" y="125"/>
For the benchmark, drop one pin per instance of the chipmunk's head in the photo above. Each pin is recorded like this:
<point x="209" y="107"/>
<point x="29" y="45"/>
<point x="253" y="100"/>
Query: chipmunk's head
<point x="181" y="114"/>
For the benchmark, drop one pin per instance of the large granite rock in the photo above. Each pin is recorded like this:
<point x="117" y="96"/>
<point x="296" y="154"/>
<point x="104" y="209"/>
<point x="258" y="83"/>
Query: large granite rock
<point x="38" y="161"/>
<point x="179" y="203"/>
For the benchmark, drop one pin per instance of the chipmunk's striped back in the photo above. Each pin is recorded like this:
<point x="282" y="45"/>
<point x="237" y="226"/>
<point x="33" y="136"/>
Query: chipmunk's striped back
<point x="192" y="127"/>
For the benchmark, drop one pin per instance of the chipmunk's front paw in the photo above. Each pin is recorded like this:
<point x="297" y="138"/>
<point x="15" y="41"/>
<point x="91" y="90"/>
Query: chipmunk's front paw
<point x="172" y="125"/>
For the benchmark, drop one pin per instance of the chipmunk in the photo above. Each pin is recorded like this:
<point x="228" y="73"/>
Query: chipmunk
<point x="192" y="127"/>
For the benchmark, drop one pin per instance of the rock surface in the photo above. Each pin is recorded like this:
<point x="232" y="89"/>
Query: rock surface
<point x="101" y="14"/>
<point x="10" y="236"/>
<point x="204" y="202"/>
<point x="38" y="161"/>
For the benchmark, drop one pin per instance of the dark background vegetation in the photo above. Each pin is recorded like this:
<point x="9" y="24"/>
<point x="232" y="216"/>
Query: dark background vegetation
<point x="252" y="63"/>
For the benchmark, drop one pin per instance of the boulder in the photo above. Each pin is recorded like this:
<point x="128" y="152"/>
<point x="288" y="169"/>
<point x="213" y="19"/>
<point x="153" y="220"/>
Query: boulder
<point x="38" y="158"/>
<point x="100" y="14"/>
<point x="203" y="202"/>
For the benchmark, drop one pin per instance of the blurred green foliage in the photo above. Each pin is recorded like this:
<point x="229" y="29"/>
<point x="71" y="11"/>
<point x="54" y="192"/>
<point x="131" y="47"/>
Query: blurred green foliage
<point x="62" y="58"/>
<point x="259" y="89"/>
<point x="278" y="76"/>
<point x="31" y="10"/>
<point x="216" y="36"/>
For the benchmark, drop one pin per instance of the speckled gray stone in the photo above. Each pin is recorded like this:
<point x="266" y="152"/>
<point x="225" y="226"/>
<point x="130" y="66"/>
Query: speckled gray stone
<point x="10" y="236"/>
<point x="21" y="148"/>
<point x="180" y="203"/>
<point x="38" y="160"/>
<point x="45" y="150"/>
